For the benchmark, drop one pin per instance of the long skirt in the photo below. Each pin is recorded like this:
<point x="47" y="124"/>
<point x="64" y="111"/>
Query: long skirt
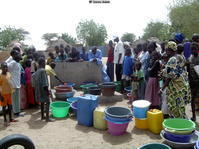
<point x="151" y="93"/>
<point x="30" y="93"/>
<point x="16" y="101"/>
<point x="24" y="102"/>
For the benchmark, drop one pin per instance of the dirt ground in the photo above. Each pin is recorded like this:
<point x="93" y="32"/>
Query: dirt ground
<point x="66" y="133"/>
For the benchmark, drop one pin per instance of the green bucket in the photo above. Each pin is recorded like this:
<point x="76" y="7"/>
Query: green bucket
<point x="154" y="146"/>
<point x="179" y="124"/>
<point x="118" y="86"/>
<point x="86" y="87"/>
<point x="60" y="108"/>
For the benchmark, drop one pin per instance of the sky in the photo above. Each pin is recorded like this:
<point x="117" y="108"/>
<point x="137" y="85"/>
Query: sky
<point x="62" y="16"/>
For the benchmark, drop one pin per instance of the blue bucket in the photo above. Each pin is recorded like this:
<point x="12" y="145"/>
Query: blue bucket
<point x="117" y="119"/>
<point x="140" y="108"/>
<point x="72" y="99"/>
<point x="128" y="89"/>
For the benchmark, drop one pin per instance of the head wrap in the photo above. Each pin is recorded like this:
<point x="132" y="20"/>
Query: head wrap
<point x="172" y="45"/>
<point x="179" y="37"/>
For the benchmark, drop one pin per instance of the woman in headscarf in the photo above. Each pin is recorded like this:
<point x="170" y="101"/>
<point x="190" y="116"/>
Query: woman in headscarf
<point x="178" y="90"/>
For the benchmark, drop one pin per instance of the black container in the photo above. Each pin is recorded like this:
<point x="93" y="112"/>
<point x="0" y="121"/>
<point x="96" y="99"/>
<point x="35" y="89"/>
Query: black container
<point x="94" y="90"/>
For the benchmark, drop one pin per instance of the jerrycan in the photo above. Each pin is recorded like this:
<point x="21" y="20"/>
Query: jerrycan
<point x="98" y="118"/>
<point x="155" y="119"/>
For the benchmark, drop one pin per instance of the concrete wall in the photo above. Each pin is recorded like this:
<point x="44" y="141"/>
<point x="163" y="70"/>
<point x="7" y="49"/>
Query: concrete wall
<point x="77" y="72"/>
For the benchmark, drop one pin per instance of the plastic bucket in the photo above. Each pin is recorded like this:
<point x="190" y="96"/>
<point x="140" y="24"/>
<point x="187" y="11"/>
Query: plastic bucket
<point x="86" y="87"/>
<point x="73" y="106"/>
<point x="117" y="128"/>
<point x="179" y="124"/>
<point x="60" y="108"/>
<point x="178" y="138"/>
<point x="141" y="123"/>
<point x="140" y="108"/>
<point x="154" y="146"/>
<point x="118" y="113"/>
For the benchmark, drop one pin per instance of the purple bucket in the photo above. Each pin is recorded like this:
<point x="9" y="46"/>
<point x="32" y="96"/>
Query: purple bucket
<point x="117" y="128"/>
<point x="73" y="106"/>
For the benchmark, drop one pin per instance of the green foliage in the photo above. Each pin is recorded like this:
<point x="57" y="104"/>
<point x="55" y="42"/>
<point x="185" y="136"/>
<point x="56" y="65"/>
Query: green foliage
<point x="68" y="38"/>
<point x="157" y="29"/>
<point x="91" y="33"/>
<point x="184" y="17"/>
<point x="129" y="37"/>
<point x="50" y="37"/>
<point x="9" y="34"/>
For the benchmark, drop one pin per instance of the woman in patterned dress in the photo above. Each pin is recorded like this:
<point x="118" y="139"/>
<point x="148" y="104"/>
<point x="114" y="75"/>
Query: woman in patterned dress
<point x="177" y="84"/>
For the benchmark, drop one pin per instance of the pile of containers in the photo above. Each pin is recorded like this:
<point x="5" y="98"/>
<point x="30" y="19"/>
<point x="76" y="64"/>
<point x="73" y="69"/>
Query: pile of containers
<point x="64" y="91"/>
<point x="178" y="130"/>
<point x="140" y="108"/>
<point x="118" y="119"/>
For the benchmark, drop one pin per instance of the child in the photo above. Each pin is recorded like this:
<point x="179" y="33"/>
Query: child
<point x="193" y="77"/>
<point x="40" y="83"/>
<point x="127" y="69"/>
<point x="29" y="88"/>
<point x="153" y="87"/>
<point x="6" y="93"/>
<point x="138" y="84"/>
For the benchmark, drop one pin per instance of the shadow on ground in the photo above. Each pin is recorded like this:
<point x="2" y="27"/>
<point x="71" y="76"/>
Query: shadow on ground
<point x="35" y="121"/>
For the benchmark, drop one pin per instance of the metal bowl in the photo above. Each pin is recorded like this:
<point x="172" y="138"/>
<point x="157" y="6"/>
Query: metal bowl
<point x="177" y="145"/>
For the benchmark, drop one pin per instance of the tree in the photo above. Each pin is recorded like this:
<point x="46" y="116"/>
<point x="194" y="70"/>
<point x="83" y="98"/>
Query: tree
<point x="184" y="17"/>
<point x="129" y="37"/>
<point x="157" y="29"/>
<point x="50" y="37"/>
<point x="9" y="34"/>
<point x="91" y="33"/>
<point x="68" y="38"/>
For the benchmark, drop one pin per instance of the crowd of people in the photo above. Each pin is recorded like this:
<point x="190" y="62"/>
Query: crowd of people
<point x="164" y="74"/>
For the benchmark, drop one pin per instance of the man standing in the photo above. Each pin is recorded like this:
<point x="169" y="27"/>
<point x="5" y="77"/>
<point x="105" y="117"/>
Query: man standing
<point x="15" y="69"/>
<point x="118" y="58"/>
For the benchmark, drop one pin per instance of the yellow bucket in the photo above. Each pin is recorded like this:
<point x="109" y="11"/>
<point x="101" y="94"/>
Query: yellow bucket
<point x="141" y="123"/>
<point x="155" y="119"/>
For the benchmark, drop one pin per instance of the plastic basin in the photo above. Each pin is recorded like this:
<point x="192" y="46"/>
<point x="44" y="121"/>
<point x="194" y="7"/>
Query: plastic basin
<point x="179" y="132"/>
<point x="63" y="88"/>
<point x="178" y="138"/>
<point x="179" y="124"/>
<point x="86" y="87"/>
<point x="72" y="99"/>
<point x="60" y="108"/>
<point x="73" y="106"/>
<point x="154" y="146"/>
<point x="94" y="90"/>
<point x="117" y="128"/>
<point x="64" y="95"/>
<point x="70" y="84"/>
<point x="140" y="108"/>
<point x="178" y="145"/>
<point x="128" y="89"/>
<point x="118" y="112"/>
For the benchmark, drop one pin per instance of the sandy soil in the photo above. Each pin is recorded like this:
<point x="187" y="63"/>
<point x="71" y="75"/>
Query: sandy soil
<point x="66" y="133"/>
